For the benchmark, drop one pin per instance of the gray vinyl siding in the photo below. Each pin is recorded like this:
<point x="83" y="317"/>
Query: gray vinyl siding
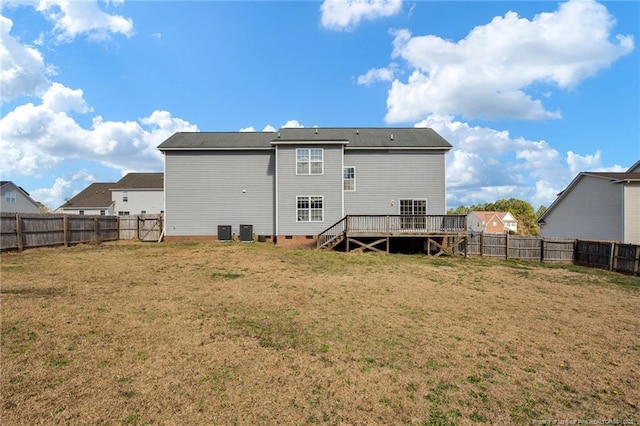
<point x="591" y="210"/>
<point x="386" y="175"/>
<point x="22" y="204"/>
<point x="290" y="185"/>
<point x="205" y="189"/>
<point x="632" y="213"/>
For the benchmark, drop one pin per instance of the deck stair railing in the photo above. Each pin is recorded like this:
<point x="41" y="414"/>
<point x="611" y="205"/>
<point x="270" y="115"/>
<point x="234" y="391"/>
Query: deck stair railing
<point x="333" y="235"/>
<point x="390" y="225"/>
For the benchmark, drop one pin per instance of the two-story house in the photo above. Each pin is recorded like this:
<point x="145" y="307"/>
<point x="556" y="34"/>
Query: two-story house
<point x="95" y="199"/>
<point x="597" y="206"/>
<point x="15" y="199"/>
<point x="492" y="222"/>
<point x="139" y="193"/>
<point x="292" y="184"/>
<point x="135" y="193"/>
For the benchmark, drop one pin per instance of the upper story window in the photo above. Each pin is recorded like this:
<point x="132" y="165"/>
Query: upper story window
<point x="10" y="197"/>
<point x="125" y="196"/>
<point x="309" y="161"/>
<point x="349" y="178"/>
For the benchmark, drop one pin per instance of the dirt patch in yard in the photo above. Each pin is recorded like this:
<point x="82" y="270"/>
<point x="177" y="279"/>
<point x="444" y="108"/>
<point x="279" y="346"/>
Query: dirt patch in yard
<point x="217" y="333"/>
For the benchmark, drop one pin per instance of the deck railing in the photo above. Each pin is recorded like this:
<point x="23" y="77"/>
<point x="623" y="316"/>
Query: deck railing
<point x="405" y="224"/>
<point x="392" y="225"/>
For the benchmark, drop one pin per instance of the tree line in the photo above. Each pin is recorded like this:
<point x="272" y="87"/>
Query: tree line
<point x="521" y="210"/>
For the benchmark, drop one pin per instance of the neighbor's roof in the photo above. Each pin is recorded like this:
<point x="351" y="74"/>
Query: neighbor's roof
<point x="7" y="182"/>
<point x="416" y="138"/>
<point x="486" y="216"/>
<point x="96" y="195"/>
<point x="616" y="177"/>
<point x="140" y="181"/>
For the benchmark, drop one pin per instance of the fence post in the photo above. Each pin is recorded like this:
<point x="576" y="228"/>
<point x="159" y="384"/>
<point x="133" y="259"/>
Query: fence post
<point x="636" y="264"/>
<point x="507" y="246"/>
<point x="614" y="257"/>
<point x="65" y="230"/>
<point x="481" y="244"/>
<point x="541" y="249"/>
<point x="96" y="230"/>
<point x="19" y="231"/>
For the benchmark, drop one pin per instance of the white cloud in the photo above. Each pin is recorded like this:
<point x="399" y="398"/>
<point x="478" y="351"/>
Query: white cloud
<point x="293" y="124"/>
<point x="59" y="98"/>
<point x="269" y="128"/>
<point x="36" y="137"/>
<point x="72" y="18"/>
<point x="486" y="74"/>
<point x="377" y="74"/>
<point x="347" y="14"/>
<point x="22" y="68"/>
<point x="248" y="129"/>
<point x="487" y="164"/>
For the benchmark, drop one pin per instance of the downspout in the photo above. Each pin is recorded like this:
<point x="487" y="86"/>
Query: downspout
<point x="622" y="239"/>
<point x="164" y="194"/>
<point x="275" y="174"/>
<point x="342" y="181"/>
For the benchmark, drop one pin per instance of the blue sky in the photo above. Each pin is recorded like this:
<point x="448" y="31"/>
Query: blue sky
<point x="528" y="93"/>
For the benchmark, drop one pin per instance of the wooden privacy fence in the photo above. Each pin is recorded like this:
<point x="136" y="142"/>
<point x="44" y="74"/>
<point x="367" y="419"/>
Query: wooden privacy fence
<point x="507" y="246"/>
<point x="613" y="256"/>
<point x="20" y="231"/>
<point x="609" y="255"/>
<point x="145" y="227"/>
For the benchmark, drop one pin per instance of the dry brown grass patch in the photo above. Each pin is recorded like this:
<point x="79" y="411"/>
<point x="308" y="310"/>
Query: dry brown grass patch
<point x="216" y="333"/>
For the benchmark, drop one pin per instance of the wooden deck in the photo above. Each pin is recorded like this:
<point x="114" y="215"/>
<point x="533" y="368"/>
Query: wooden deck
<point x="441" y="234"/>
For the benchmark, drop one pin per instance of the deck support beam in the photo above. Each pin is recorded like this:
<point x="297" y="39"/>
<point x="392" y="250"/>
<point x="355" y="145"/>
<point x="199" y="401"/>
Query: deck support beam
<point x="369" y="246"/>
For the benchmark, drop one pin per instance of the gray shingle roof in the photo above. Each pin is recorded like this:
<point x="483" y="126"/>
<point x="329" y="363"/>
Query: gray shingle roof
<point x="616" y="176"/>
<point x="218" y="140"/>
<point x="418" y="138"/>
<point x="94" y="195"/>
<point x="141" y="181"/>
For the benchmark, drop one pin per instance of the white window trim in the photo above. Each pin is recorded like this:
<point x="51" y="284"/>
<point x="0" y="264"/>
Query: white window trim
<point x="310" y="162"/>
<point x="354" y="178"/>
<point x="309" y="197"/>
<point x="11" y="197"/>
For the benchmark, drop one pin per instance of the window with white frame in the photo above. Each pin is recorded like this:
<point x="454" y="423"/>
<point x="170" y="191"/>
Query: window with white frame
<point x="309" y="161"/>
<point x="10" y="197"/>
<point x="310" y="208"/>
<point x="125" y="196"/>
<point x="349" y="178"/>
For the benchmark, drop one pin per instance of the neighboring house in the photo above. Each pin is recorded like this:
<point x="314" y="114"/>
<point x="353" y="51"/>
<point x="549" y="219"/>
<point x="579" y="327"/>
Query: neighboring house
<point x="293" y="184"/>
<point x="93" y="200"/>
<point x="16" y="200"/>
<point x="597" y="206"/>
<point x="491" y="222"/>
<point x="139" y="193"/>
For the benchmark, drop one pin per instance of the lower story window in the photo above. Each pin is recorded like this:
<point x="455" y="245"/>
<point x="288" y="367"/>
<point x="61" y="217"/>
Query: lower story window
<point x="310" y="208"/>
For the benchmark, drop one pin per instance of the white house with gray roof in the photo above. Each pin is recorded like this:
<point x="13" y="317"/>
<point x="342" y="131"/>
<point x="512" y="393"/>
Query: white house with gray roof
<point x="295" y="183"/>
<point x="597" y="206"/>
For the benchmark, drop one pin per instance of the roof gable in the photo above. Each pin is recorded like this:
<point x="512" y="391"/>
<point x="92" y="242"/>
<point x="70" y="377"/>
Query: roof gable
<point x="612" y="177"/>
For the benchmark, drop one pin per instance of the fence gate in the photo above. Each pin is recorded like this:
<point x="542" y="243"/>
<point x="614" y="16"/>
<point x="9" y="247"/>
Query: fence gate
<point x="149" y="228"/>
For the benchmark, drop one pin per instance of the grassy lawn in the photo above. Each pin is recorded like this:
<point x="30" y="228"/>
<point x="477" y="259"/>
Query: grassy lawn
<point x="214" y="333"/>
